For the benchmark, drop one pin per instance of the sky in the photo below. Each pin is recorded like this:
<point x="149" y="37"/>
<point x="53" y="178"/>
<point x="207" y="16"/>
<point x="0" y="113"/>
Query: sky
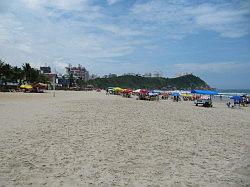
<point x="211" y="39"/>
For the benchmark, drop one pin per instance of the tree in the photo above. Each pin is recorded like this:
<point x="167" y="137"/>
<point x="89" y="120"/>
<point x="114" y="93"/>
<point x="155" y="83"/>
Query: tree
<point x="5" y="72"/>
<point x="17" y="74"/>
<point x="71" y="80"/>
<point x="31" y="75"/>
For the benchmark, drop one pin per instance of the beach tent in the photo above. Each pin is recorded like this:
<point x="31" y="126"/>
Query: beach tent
<point x="204" y="92"/>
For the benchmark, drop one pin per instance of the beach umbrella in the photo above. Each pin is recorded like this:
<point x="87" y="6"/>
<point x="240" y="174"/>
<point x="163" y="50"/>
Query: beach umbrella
<point x="144" y="91"/>
<point x="152" y="94"/>
<point x="128" y="90"/>
<point x="186" y="95"/>
<point x="236" y="98"/>
<point x="137" y="91"/>
<point x="175" y="94"/>
<point x="26" y="86"/>
<point x="118" y="89"/>
<point x="205" y="92"/>
<point x="158" y="91"/>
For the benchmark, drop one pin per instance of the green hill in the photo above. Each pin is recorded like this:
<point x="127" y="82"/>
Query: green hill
<point x="130" y="81"/>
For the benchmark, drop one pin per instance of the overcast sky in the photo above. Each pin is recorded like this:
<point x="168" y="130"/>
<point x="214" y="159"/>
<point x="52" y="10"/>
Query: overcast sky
<point x="209" y="38"/>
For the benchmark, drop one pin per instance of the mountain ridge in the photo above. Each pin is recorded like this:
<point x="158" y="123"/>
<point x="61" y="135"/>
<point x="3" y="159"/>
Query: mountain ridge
<point x="136" y="81"/>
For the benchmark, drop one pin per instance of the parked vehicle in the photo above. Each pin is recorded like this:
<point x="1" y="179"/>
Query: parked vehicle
<point x="204" y="102"/>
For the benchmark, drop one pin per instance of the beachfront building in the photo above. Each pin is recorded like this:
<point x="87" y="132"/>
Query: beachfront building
<point x="45" y="69"/>
<point x="79" y="72"/>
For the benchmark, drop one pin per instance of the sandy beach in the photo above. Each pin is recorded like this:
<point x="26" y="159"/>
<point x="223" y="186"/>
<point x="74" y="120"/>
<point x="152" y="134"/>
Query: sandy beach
<point x="93" y="139"/>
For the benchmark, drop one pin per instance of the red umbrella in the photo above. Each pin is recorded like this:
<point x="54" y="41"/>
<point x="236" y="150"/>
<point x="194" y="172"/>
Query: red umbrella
<point x="144" y="91"/>
<point x="128" y="90"/>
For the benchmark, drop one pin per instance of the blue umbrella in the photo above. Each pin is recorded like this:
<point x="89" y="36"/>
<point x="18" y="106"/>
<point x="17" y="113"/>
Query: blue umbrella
<point x="236" y="98"/>
<point x="175" y="94"/>
<point x="205" y="92"/>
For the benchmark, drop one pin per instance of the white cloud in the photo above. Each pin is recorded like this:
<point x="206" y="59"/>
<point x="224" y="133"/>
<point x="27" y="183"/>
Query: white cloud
<point x="214" y="67"/>
<point x="111" y="2"/>
<point x="59" y="32"/>
<point x="59" y="4"/>
<point x="183" y="18"/>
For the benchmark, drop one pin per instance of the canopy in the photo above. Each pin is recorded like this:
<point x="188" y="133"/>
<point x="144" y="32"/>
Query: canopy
<point x="236" y="98"/>
<point x="175" y="94"/>
<point x="26" y="86"/>
<point x="205" y="92"/>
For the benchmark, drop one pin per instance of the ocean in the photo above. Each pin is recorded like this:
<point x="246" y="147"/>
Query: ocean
<point x="231" y="92"/>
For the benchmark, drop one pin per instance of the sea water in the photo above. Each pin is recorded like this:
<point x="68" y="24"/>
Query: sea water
<point x="232" y="92"/>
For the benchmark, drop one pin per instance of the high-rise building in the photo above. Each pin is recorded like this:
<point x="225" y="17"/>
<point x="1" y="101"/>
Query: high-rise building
<point x="79" y="72"/>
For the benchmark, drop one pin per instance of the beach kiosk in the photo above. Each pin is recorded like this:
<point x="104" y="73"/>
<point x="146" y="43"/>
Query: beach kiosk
<point x="204" y="102"/>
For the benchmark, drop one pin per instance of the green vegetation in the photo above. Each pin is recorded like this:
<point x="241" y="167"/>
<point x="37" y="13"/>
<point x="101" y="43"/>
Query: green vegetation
<point x="130" y="81"/>
<point x="24" y="74"/>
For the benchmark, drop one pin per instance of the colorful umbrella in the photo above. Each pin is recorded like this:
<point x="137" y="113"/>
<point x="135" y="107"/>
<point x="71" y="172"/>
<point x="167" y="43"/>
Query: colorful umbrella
<point x="26" y="86"/>
<point x="128" y="90"/>
<point x="175" y="94"/>
<point x="144" y="91"/>
<point x="118" y="89"/>
<point x="236" y="98"/>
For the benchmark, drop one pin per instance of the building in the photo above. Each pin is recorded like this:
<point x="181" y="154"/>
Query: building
<point x="62" y="81"/>
<point x="183" y="74"/>
<point x="78" y="72"/>
<point x="157" y="74"/>
<point x="109" y="75"/>
<point x="147" y="75"/>
<point x="93" y="76"/>
<point x="45" y="69"/>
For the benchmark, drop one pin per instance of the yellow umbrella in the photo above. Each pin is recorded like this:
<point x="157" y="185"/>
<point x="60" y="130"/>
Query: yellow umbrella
<point x="186" y="95"/>
<point x="118" y="89"/>
<point x="26" y="86"/>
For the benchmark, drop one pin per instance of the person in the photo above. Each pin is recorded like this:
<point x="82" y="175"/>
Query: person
<point x="229" y="105"/>
<point x="177" y="98"/>
<point x="221" y="97"/>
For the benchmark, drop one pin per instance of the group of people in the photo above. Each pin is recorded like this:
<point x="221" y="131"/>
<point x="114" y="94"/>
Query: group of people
<point x="243" y="100"/>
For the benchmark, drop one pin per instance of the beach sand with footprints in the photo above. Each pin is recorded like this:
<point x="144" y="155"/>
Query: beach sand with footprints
<point x="94" y="139"/>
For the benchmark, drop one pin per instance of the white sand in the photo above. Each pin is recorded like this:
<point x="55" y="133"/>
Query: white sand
<point x="91" y="139"/>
